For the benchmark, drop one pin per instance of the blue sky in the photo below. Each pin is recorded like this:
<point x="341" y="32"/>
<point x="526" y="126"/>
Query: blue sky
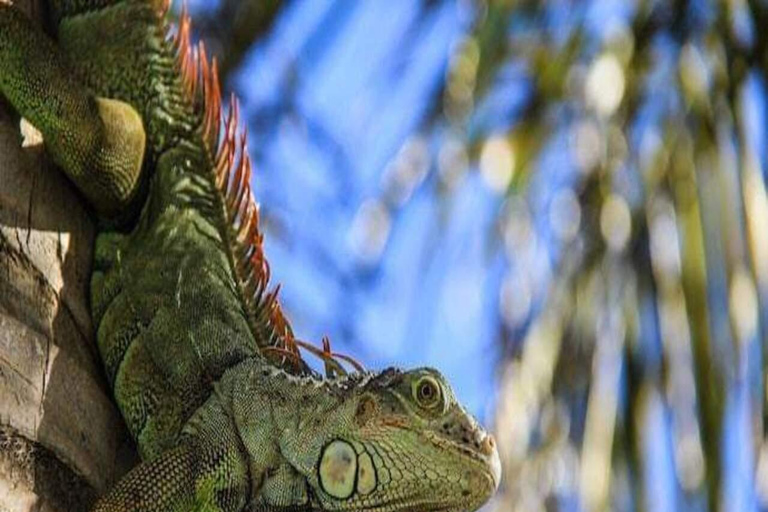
<point x="362" y="78"/>
<point x="337" y="98"/>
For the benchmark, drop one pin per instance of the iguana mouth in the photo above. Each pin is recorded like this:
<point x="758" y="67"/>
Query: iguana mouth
<point x="488" y="464"/>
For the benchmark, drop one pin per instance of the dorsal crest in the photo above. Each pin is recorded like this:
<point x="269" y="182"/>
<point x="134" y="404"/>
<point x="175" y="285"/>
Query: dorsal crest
<point x="226" y="144"/>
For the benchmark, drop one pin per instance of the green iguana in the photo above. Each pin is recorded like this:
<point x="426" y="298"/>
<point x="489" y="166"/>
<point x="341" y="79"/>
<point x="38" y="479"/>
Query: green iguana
<point x="203" y="365"/>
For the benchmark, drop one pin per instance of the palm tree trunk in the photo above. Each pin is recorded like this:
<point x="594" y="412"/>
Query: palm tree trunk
<point x="62" y="441"/>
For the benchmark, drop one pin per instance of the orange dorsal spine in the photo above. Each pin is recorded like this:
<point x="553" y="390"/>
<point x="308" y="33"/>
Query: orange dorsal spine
<point x="232" y="176"/>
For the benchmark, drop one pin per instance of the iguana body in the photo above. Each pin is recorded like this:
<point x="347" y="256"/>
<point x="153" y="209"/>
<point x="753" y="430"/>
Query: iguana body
<point x="203" y="366"/>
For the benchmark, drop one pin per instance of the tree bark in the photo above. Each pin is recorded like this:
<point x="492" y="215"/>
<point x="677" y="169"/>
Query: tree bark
<point x="62" y="441"/>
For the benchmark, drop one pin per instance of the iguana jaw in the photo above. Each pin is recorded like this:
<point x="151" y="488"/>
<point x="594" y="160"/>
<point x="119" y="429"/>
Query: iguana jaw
<point x="480" y="474"/>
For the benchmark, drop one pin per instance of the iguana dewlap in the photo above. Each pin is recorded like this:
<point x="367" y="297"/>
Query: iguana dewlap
<point x="203" y="365"/>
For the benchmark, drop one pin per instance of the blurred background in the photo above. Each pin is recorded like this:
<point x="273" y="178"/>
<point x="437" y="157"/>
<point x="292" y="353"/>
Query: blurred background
<point x="560" y="204"/>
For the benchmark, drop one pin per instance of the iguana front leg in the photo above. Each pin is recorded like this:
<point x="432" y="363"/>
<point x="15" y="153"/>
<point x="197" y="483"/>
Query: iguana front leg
<point x="207" y="472"/>
<point x="189" y="477"/>
<point x="98" y="142"/>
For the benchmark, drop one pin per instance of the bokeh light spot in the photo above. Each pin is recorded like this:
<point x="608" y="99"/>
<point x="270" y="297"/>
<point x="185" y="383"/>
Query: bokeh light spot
<point x="497" y="161"/>
<point x="565" y="214"/>
<point x="586" y="145"/>
<point x="605" y="84"/>
<point x="743" y="304"/>
<point x="515" y="299"/>
<point x="615" y="222"/>
<point x="370" y="231"/>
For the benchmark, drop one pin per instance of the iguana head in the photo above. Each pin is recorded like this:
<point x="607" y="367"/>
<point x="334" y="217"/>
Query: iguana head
<point x="397" y="442"/>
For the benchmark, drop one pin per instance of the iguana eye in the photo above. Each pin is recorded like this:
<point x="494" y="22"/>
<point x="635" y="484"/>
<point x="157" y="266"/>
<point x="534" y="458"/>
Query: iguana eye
<point x="426" y="392"/>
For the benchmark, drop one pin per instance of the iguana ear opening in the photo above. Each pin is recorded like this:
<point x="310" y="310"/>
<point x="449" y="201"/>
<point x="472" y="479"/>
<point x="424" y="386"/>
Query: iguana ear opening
<point x="366" y="409"/>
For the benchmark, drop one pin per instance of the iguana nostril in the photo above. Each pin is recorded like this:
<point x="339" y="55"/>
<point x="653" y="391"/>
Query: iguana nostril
<point x="488" y="445"/>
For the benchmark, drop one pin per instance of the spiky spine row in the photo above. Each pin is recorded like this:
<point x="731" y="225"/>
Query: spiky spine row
<point x="232" y="176"/>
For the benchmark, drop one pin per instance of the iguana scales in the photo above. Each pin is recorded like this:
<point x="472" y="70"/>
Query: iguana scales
<point x="202" y="363"/>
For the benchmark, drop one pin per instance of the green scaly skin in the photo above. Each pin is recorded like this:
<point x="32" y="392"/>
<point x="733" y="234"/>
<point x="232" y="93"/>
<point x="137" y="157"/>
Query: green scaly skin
<point x="219" y="427"/>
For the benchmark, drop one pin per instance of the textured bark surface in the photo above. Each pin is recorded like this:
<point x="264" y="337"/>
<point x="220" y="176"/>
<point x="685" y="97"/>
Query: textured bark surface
<point x="62" y="440"/>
